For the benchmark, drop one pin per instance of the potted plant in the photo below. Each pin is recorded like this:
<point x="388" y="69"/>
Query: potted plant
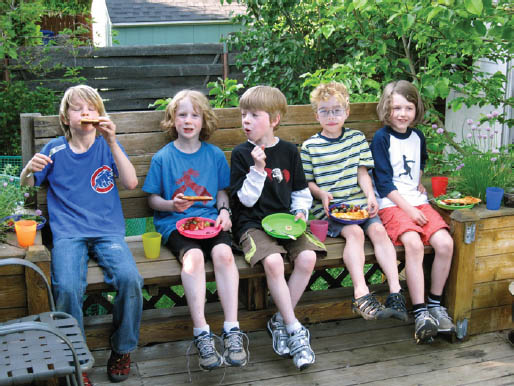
<point x="13" y="197"/>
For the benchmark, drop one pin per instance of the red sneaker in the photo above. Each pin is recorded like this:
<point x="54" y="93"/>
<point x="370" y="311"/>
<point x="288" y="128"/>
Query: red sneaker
<point x="86" y="380"/>
<point x="118" y="367"/>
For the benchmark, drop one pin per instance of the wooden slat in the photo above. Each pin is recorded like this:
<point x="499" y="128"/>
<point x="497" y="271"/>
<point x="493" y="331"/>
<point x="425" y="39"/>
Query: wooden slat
<point x="12" y="292"/>
<point x="491" y="319"/>
<point x="492" y="294"/>
<point x="495" y="241"/>
<point x="494" y="267"/>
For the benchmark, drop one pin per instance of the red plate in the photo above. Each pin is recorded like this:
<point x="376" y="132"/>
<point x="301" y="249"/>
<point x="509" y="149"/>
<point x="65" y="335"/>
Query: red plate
<point x="205" y="233"/>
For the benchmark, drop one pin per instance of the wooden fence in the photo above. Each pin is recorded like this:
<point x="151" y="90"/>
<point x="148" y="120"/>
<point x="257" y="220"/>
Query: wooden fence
<point x="132" y="77"/>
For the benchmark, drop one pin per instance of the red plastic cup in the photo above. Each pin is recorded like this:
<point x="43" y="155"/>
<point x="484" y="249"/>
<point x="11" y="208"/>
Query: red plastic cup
<point x="439" y="185"/>
<point x="319" y="228"/>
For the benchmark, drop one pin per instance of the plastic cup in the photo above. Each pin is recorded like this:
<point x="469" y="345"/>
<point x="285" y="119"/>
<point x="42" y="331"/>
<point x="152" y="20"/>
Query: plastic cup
<point x="25" y="232"/>
<point x="439" y="185"/>
<point x="493" y="198"/>
<point x="319" y="228"/>
<point x="152" y="244"/>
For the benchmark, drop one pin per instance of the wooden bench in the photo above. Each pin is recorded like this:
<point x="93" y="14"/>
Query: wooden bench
<point x="141" y="136"/>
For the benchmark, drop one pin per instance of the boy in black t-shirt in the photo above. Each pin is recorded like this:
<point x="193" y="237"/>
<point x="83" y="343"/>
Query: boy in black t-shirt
<point x="267" y="177"/>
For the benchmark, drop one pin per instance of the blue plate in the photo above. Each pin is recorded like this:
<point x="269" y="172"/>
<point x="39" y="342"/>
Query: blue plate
<point x="41" y="221"/>
<point x="343" y="221"/>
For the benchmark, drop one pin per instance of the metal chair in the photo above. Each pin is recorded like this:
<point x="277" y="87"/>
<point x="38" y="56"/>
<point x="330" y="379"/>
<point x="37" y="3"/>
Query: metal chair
<point x="43" y="346"/>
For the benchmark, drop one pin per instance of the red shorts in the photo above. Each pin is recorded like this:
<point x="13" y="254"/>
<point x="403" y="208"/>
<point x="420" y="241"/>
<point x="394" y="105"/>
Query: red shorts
<point x="396" y="223"/>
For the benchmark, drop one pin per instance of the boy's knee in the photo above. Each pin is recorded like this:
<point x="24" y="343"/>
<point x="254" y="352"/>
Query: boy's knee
<point x="274" y="265"/>
<point x="223" y="260"/>
<point x="192" y="261"/>
<point x="305" y="260"/>
<point x="353" y="233"/>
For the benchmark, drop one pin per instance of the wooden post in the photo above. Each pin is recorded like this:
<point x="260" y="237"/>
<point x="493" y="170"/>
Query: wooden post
<point x="27" y="136"/>
<point x="459" y="287"/>
<point x="37" y="294"/>
<point x="253" y="292"/>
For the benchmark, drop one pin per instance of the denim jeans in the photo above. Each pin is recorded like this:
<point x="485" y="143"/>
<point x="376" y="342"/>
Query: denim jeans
<point x="69" y="281"/>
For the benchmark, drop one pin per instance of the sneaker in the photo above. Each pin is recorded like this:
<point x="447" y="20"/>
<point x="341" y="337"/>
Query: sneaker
<point x="300" y="348"/>
<point x="118" y="367"/>
<point x="369" y="307"/>
<point x="210" y="359"/>
<point x="425" y="327"/>
<point x="445" y="322"/>
<point x="85" y="380"/>
<point x="234" y="353"/>
<point x="395" y="306"/>
<point x="278" y="332"/>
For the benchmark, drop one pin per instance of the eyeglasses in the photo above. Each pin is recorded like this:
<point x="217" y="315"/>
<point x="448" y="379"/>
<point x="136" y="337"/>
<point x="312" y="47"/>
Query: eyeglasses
<point x="327" y="113"/>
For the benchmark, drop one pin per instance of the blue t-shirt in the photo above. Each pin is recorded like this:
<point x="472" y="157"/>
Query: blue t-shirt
<point x="172" y="171"/>
<point x="82" y="196"/>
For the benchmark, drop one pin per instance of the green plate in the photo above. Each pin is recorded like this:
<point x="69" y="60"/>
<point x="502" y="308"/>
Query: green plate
<point x="453" y="207"/>
<point x="280" y="224"/>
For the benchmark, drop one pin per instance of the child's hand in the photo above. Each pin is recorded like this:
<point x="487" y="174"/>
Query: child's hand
<point x="325" y="198"/>
<point x="224" y="220"/>
<point x="259" y="157"/>
<point x="38" y="162"/>
<point x="421" y="188"/>
<point x="417" y="216"/>
<point x="300" y="215"/>
<point x="107" y="129"/>
<point x="372" y="206"/>
<point x="179" y="204"/>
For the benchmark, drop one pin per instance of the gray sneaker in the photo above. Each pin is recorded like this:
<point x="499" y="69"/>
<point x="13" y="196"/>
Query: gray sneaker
<point x="300" y="348"/>
<point x="234" y="353"/>
<point x="395" y="306"/>
<point x="425" y="327"/>
<point x="209" y="357"/>
<point x="445" y="322"/>
<point x="278" y="333"/>
<point x="369" y="307"/>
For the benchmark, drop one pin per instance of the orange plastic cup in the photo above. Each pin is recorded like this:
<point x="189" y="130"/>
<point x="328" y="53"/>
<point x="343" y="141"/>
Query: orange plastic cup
<point x="25" y="232"/>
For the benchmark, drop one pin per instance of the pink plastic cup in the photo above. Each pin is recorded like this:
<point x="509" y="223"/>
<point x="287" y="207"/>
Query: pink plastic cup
<point x="319" y="228"/>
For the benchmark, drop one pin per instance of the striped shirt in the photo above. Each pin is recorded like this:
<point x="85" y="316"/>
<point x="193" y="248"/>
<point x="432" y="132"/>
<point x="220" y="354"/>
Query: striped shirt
<point x="332" y="164"/>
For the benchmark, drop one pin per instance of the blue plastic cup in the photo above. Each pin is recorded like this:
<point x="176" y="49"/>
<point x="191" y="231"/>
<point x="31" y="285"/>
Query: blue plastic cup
<point x="493" y="197"/>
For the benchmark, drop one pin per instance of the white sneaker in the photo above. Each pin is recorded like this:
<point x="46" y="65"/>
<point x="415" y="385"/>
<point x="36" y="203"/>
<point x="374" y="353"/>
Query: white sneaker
<point x="300" y="348"/>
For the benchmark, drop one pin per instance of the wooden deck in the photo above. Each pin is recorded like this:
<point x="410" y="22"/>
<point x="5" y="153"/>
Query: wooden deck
<point x="348" y="352"/>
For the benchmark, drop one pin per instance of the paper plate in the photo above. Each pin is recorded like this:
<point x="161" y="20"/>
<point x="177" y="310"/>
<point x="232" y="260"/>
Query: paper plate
<point x="341" y="220"/>
<point x="205" y="233"/>
<point x="440" y="204"/>
<point x="280" y="224"/>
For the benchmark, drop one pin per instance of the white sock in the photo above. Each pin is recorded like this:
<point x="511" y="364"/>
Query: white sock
<point x="198" y="331"/>
<point x="227" y="326"/>
<point x="296" y="325"/>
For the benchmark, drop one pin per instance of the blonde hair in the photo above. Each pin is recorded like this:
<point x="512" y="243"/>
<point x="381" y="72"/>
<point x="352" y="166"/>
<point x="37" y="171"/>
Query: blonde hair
<point x="407" y="90"/>
<point x="200" y="104"/>
<point x="265" y="98"/>
<point x="87" y="94"/>
<point x="325" y="91"/>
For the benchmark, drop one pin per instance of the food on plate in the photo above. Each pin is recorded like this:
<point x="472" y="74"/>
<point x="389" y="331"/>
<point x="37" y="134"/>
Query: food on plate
<point x="197" y="198"/>
<point x="468" y="200"/>
<point x="87" y="121"/>
<point x="288" y="228"/>
<point x="195" y="224"/>
<point x="349" y="212"/>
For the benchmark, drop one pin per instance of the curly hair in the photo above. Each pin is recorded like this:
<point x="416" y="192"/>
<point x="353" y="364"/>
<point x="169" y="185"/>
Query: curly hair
<point x="325" y="91"/>
<point x="201" y="106"/>
<point x="407" y="90"/>
<point x="265" y="98"/>
<point x="87" y="94"/>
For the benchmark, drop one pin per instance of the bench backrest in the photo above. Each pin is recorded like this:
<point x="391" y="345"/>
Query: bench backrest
<point x="140" y="134"/>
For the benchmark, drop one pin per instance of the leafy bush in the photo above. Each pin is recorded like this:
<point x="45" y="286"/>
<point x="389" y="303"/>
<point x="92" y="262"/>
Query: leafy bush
<point x="224" y="92"/>
<point x="16" y="98"/>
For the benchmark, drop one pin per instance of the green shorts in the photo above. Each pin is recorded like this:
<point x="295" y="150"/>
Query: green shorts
<point x="257" y="245"/>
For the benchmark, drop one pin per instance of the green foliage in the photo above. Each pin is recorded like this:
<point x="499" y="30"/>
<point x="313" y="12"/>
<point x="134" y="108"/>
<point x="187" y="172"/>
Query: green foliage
<point x="160" y="104"/>
<point x="224" y="92"/>
<point x="18" y="26"/>
<point x="75" y="7"/>
<point x="16" y="98"/>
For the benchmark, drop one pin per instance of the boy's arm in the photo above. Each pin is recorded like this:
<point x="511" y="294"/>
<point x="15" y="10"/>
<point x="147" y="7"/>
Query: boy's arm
<point x="364" y="181"/>
<point x="247" y="185"/>
<point x="222" y="203"/>
<point x="178" y="204"/>
<point x="36" y="164"/>
<point x="320" y="194"/>
<point x="126" y="171"/>
<point x="414" y="213"/>
<point x="301" y="202"/>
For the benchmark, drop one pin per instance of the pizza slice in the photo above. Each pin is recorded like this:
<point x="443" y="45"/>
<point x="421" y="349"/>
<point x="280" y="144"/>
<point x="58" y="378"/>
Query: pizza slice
<point x="197" y="198"/>
<point x="468" y="200"/>
<point x="89" y="121"/>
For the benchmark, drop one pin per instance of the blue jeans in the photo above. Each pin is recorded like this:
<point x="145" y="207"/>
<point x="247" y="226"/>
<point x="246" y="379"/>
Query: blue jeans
<point x="69" y="281"/>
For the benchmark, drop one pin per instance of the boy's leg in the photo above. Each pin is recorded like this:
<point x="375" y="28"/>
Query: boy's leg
<point x="120" y="271"/>
<point x="386" y="258"/>
<point x="353" y="257"/>
<point x="227" y="280"/>
<point x="69" y="276"/>
<point x="302" y="271"/>
<point x="278" y="288"/>
<point x="193" y="281"/>
<point x="443" y="246"/>
<point x="227" y="284"/>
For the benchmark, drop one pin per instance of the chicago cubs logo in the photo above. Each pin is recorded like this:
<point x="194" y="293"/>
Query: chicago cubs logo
<point x="102" y="180"/>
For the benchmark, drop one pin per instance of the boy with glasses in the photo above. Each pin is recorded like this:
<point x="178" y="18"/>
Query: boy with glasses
<point x="336" y="163"/>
